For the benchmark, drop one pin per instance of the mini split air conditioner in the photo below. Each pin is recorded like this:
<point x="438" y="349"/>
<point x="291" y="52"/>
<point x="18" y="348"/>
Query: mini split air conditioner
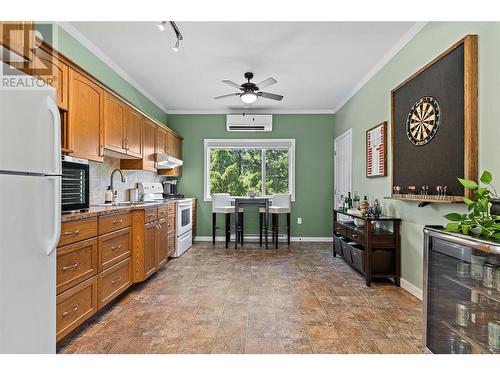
<point x="249" y="123"/>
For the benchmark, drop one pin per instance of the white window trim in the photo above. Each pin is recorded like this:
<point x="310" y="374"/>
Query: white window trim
<point x="254" y="143"/>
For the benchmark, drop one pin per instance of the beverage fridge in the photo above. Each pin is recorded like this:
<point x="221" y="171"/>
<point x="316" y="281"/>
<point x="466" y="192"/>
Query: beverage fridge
<point x="30" y="216"/>
<point x="461" y="293"/>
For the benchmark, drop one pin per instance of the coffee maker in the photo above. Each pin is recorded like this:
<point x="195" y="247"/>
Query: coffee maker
<point x="170" y="189"/>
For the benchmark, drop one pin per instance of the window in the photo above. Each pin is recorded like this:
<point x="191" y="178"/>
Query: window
<point x="236" y="167"/>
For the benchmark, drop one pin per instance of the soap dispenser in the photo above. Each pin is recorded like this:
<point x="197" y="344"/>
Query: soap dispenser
<point x="108" y="197"/>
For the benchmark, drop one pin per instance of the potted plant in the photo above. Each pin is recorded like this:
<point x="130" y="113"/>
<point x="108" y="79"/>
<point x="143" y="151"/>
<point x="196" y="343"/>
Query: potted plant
<point x="484" y="209"/>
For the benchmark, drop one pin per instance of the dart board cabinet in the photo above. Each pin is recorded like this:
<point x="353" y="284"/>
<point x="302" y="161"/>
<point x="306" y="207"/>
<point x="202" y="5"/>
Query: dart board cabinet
<point x="434" y="123"/>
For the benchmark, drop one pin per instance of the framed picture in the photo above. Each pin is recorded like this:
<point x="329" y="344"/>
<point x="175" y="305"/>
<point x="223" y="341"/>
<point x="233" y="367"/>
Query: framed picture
<point x="376" y="151"/>
<point x="434" y="123"/>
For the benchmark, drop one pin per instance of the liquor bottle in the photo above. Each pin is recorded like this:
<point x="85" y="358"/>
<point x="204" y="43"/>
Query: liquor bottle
<point x="346" y="203"/>
<point x="349" y="200"/>
<point x="365" y="204"/>
<point x="340" y="204"/>
<point x="356" y="201"/>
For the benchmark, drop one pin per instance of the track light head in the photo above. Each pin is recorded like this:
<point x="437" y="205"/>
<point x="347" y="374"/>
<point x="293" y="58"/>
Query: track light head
<point x="162" y="25"/>
<point x="175" y="48"/>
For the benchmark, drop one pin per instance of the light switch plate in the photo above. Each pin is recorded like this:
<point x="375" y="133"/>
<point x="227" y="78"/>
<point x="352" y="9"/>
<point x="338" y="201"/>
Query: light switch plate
<point x="299" y="220"/>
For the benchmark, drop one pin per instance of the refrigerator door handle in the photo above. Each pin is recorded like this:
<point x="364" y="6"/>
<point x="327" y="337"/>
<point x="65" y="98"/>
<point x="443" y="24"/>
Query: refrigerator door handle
<point x="54" y="239"/>
<point x="54" y="111"/>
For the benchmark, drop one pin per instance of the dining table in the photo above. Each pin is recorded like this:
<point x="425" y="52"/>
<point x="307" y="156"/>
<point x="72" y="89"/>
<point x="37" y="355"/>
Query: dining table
<point x="256" y="201"/>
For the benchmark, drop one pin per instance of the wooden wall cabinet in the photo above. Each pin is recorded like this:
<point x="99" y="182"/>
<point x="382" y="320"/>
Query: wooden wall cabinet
<point x="53" y="72"/>
<point x="133" y="132"/>
<point x="162" y="139"/>
<point x="173" y="148"/>
<point x="85" y="117"/>
<point x="18" y="37"/>
<point x="147" y="162"/>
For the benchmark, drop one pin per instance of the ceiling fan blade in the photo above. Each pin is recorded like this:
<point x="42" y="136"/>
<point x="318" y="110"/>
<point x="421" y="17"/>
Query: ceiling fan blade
<point x="268" y="95"/>
<point x="226" y="96"/>
<point x="231" y="83"/>
<point x="267" y="82"/>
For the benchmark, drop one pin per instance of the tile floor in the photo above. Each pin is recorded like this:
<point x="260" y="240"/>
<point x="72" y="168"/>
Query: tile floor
<point x="298" y="299"/>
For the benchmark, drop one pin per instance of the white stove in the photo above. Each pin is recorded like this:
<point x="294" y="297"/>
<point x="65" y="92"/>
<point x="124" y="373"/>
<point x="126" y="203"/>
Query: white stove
<point x="153" y="192"/>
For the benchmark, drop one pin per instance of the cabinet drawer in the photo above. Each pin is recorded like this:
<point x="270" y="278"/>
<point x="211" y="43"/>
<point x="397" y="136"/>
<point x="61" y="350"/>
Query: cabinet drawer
<point x="75" y="306"/>
<point x="114" y="247"/>
<point x="74" y="231"/>
<point x="110" y="223"/>
<point x="171" y="209"/>
<point x="339" y="229"/>
<point x="150" y="214"/>
<point x="114" y="281"/>
<point x="162" y="211"/>
<point x="171" y="223"/>
<point x="76" y="263"/>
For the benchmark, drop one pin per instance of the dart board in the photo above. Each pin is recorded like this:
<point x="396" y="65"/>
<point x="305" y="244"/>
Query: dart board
<point x="423" y="121"/>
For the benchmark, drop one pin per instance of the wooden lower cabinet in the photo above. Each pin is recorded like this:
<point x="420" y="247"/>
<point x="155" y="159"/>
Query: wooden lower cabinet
<point x="75" y="306"/>
<point x="112" y="282"/>
<point x="163" y="250"/>
<point x="150" y="248"/>
<point x="78" y="230"/>
<point x="114" y="247"/>
<point x="76" y="263"/>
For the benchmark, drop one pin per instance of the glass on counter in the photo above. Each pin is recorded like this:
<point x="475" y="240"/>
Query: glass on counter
<point x="494" y="335"/>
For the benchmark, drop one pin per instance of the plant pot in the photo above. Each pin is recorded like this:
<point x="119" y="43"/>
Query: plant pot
<point x="495" y="207"/>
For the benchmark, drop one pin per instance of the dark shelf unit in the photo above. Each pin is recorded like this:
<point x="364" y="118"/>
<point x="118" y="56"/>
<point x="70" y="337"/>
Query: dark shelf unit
<point x="373" y="251"/>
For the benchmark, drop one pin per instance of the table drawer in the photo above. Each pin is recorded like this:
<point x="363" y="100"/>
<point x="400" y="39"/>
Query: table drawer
<point x="150" y="214"/>
<point x="163" y="211"/>
<point x="114" y="281"/>
<point x="110" y="223"/>
<point x="78" y="230"/>
<point x="75" y="306"/>
<point x="76" y="263"/>
<point x="114" y="247"/>
<point x="340" y="229"/>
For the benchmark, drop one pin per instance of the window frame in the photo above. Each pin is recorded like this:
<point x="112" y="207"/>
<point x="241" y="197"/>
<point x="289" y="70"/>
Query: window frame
<point x="210" y="144"/>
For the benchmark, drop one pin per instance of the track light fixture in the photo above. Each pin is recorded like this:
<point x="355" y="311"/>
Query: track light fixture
<point x="175" y="48"/>
<point x="178" y="36"/>
<point x="162" y="25"/>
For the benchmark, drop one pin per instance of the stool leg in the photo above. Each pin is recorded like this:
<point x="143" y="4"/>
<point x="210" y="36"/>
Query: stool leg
<point x="277" y="228"/>
<point x="288" y="227"/>
<point x="261" y="221"/>
<point x="214" y="226"/>
<point x="241" y="227"/>
<point x="227" y="229"/>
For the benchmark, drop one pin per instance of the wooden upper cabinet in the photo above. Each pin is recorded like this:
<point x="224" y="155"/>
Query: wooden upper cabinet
<point x="85" y="117"/>
<point x="147" y="162"/>
<point x="133" y="132"/>
<point x="114" y="127"/>
<point x="53" y="72"/>
<point x="18" y="37"/>
<point x="161" y="139"/>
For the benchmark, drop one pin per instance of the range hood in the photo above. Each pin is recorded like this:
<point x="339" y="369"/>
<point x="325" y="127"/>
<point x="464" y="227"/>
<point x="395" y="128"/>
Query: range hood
<point x="165" y="161"/>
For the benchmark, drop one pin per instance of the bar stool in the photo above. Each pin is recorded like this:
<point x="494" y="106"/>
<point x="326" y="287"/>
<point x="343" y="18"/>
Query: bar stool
<point x="221" y="204"/>
<point x="281" y="205"/>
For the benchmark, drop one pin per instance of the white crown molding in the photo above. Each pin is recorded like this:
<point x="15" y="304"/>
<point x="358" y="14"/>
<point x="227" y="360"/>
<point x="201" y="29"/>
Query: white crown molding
<point x="414" y="30"/>
<point x="75" y="33"/>
<point x="253" y="111"/>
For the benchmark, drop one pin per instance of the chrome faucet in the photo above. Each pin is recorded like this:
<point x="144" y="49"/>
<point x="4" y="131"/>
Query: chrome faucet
<point x="111" y="182"/>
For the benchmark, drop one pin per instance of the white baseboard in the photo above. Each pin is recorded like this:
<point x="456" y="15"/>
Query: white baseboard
<point x="255" y="238"/>
<point x="412" y="289"/>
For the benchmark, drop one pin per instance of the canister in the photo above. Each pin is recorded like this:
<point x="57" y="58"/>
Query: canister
<point x="474" y="296"/>
<point x="489" y="271"/>
<point x="463" y="347"/>
<point x="464" y="310"/>
<point x="494" y="334"/>
<point x="480" y="317"/>
<point x="476" y="267"/>
<point x="463" y="269"/>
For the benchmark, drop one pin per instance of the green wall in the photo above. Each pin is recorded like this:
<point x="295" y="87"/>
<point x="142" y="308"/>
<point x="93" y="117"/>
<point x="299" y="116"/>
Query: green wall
<point x="313" y="135"/>
<point x="74" y="50"/>
<point x="371" y="105"/>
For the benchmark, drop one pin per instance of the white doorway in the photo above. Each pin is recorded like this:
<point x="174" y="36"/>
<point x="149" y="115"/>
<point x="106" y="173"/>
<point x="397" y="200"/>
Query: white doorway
<point x="342" y="165"/>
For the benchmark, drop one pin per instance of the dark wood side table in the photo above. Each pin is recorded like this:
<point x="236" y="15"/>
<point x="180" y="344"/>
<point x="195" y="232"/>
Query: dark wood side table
<point x="377" y="252"/>
<point x="243" y="201"/>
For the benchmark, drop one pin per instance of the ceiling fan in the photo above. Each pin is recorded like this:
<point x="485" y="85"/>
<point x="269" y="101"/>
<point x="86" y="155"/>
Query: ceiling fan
<point x="250" y="91"/>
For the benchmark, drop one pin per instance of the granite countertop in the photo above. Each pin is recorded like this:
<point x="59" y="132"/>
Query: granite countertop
<point x="101" y="210"/>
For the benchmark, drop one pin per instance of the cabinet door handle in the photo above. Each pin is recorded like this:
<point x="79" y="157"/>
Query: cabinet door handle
<point x="113" y="248"/>
<point x="116" y="280"/>
<point x="72" y="233"/>
<point x="70" y="311"/>
<point x="75" y="265"/>
<point x="354" y="235"/>
<point x="119" y="221"/>
<point x="149" y="215"/>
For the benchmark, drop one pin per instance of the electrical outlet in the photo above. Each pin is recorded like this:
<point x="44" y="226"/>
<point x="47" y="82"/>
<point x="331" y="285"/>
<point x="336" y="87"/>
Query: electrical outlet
<point x="299" y="220"/>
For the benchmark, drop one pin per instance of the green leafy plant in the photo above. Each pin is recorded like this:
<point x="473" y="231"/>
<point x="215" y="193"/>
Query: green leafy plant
<point x="478" y="221"/>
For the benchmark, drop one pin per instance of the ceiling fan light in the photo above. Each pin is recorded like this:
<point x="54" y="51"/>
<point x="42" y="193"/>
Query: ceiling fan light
<point x="248" y="97"/>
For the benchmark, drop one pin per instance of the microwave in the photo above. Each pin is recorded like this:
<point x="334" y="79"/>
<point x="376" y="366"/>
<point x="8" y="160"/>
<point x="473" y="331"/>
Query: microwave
<point x="75" y="184"/>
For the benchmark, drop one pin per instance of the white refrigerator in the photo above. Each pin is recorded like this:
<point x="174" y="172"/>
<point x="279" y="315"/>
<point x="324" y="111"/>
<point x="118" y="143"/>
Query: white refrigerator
<point x="30" y="217"/>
